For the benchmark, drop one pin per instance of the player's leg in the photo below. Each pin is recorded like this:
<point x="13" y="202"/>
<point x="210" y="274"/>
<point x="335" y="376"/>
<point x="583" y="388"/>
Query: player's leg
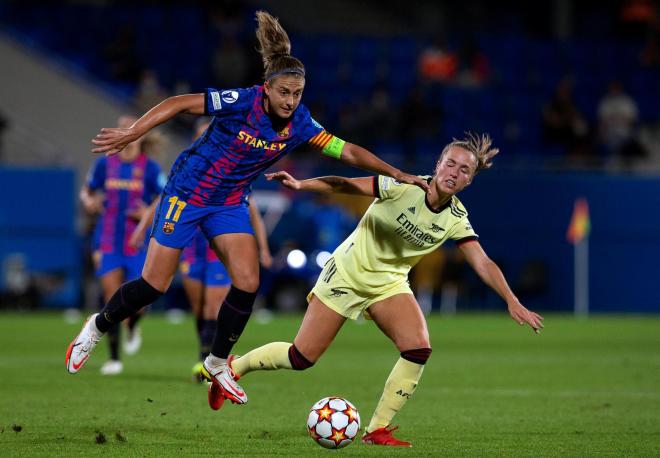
<point x="231" y="237"/>
<point x="402" y="320"/>
<point x="318" y="329"/>
<point x="110" y="282"/>
<point x="238" y="252"/>
<point x="326" y="313"/>
<point x="194" y="290"/>
<point x="156" y="277"/>
<point x="133" y="341"/>
<point x="214" y="296"/>
<point x="217" y="284"/>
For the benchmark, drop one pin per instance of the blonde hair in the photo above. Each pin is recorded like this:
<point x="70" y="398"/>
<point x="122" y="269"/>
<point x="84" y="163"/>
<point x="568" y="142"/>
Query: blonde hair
<point x="479" y="145"/>
<point x="275" y="48"/>
<point x="153" y="143"/>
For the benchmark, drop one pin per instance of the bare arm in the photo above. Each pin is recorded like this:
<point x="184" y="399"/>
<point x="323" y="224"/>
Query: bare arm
<point x="360" y="186"/>
<point x="112" y="140"/>
<point x="260" y="234"/>
<point x="137" y="237"/>
<point x="91" y="201"/>
<point x="491" y="274"/>
<point x="360" y="157"/>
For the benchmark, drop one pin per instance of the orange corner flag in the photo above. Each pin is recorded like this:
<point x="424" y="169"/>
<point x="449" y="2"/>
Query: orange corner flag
<point x="580" y="225"/>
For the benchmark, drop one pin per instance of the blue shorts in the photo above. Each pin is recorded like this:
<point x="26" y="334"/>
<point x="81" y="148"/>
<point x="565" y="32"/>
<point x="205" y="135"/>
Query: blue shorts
<point x="132" y="265"/>
<point x="175" y="221"/>
<point x="211" y="273"/>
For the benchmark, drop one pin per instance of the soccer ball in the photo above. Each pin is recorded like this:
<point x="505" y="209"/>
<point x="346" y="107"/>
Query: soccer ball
<point x="333" y="422"/>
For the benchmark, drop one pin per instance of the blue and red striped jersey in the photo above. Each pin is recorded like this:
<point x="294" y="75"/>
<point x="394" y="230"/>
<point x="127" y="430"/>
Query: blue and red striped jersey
<point x="241" y="142"/>
<point x="125" y="185"/>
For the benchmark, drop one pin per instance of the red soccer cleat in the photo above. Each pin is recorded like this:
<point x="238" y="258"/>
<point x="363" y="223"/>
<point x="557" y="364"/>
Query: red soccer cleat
<point x="216" y="399"/>
<point x="218" y="393"/>
<point x="383" y="436"/>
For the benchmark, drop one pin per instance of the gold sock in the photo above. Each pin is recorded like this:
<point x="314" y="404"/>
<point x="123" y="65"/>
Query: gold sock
<point x="399" y="387"/>
<point x="272" y="356"/>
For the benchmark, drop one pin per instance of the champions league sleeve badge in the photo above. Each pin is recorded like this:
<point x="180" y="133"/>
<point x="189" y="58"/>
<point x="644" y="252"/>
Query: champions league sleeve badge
<point x="229" y="96"/>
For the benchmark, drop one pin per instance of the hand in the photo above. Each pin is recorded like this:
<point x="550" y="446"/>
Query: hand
<point x="93" y="204"/>
<point x="136" y="240"/>
<point x="412" y="179"/>
<point x="521" y="316"/>
<point x="285" y="179"/>
<point x="112" y="140"/>
<point x="138" y="212"/>
<point x="266" y="259"/>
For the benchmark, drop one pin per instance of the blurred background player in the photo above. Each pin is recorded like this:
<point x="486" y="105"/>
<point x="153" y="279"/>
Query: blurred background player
<point x="119" y="188"/>
<point x="368" y="273"/>
<point x="209" y="185"/>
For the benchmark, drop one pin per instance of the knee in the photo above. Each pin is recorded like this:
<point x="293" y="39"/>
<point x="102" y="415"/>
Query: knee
<point x="248" y="282"/>
<point x="298" y="361"/>
<point x="406" y="341"/>
<point x="417" y="355"/>
<point x="157" y="282"/>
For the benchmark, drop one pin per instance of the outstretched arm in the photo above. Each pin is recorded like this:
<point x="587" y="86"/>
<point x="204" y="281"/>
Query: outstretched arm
<point x="360" y="157"/>
<point x="491" y="274"/>
<point x="259" y="227"/>
<point x="360" y="186"/>
<point x="112" y="140"/>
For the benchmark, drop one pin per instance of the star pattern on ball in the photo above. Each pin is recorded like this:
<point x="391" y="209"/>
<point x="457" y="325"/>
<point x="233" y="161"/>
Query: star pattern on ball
<point x="338" y="435"/>
<point x="324" y="413"/>
<point x="351" y="414"/>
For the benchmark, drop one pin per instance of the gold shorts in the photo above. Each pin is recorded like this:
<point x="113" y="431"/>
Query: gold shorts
<point x="333" y="290"/>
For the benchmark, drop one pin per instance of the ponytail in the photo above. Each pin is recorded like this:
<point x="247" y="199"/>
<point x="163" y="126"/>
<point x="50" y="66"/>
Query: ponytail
<point x="275" y="48"/>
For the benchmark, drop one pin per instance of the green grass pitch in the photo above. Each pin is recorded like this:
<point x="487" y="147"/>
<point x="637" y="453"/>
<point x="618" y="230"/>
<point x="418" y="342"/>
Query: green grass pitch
<point x="491" y="388"/>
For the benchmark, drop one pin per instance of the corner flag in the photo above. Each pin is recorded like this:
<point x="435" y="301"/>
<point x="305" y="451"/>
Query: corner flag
<point x="578" y="235"/>
<point x="580" y="224"/>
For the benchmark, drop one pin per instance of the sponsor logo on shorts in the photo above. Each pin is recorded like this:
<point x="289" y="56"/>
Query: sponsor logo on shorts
<point x="168" y="227"/>
<point x="336" y="292"/>
<point x="229" y="96"/>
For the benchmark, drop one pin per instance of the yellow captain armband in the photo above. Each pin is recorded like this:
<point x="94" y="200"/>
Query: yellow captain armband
<point x="334" y="147"/>
<point x="328" y="144"/>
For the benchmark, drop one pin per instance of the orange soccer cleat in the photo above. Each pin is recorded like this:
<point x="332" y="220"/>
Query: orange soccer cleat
<point x="383" y="436"/>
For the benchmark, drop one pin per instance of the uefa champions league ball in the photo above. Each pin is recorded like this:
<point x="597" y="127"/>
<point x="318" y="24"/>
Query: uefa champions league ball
<point x="333" y="422"/>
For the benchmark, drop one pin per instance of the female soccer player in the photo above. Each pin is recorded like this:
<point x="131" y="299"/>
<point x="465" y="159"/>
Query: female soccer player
<point x="209" y="185"/>
<point x="120" y="188"/>
<point x="205" y="280"/>
<point x="368" y="273"/>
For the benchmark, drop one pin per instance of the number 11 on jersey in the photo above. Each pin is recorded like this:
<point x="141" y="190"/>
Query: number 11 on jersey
<point x="179" y="204"/>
